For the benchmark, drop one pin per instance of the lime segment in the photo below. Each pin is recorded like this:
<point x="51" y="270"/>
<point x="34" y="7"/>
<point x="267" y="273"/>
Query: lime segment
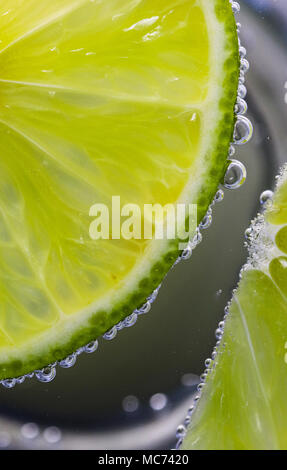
<point x="129" y="98"/>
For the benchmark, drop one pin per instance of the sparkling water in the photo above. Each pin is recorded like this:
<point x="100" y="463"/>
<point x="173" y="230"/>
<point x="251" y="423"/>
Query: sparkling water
<point x="145" y="383"/>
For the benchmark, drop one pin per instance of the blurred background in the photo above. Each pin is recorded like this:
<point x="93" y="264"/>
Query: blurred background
<point x="135" y="390"/>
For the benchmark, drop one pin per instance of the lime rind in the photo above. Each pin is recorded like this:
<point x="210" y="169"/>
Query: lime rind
<point x="102" y="321"/>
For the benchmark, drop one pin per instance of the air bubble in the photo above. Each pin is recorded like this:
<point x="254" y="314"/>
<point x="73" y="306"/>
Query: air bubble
<point x="266" y="197"/>
<point x="145" y="308"/>
<point x="154" y="295"/>
<point x="46" y="375"/>
<point x="235" y="7"/>
<point x="181" y="431"/>
<point x="130" y="320"/>
<point x="248" y="234"/>
<point x="158" y="401"/>
<point x="241" y="106"/>
<point x="190" y="410"/>
<point x="208" y="362"/>
<point x="91" y="347"/>
<point x="231" y="151"/>
<point x="68" y="362"/>
<point x="30" y="430"/>
<point x="219" y="196"/>
<point x="120" y="325"/>
<point x="79" y="351"/>
<point x="243" y="130"/>
<point x="213" y="355"/>
<point x="30" y="376"/>
<point x="178" y="444"/>
<point x="21" y="379"/>
<point x="5" y="440"/>
<point x="187" y="421"/>
<point x="197" y="239"/>
<point x="9" y="383"/>
<point x="130" y="404"/>
<point x="189" y="380"/>
<point x="186" y="254"/>
<point x="52" y="435"/>
<point x="242" y="90"/>
<point x="111" y="334"/>
<point x="206" y="222"/>
<point x="242" y="52"/>
<point x="218" y="333"/>
<point x="244" y="65"/>
<point x="235" y="175"/>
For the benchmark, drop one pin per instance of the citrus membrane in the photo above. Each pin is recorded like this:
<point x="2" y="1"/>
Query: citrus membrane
<point x="101" y="98"/>
<point x="243" y="403"/>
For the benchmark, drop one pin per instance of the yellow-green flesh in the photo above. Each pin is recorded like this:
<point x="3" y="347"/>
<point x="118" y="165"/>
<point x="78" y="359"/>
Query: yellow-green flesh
<point x="98" y="99"/>
<point x="243" y="405"/>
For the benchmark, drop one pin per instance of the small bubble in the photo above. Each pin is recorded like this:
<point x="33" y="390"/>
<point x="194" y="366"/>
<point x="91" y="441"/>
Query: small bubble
<point x="242" y="52"/>
<point x="130" y="320"/>
<point x="200" y="387"/>
<point x="218" y="334"/>
<point x="21" y="379"/>
<point x="111" y="334"/>
<point x="130" y="404"/>
<point x="158" y="401"/>
<point x="9" y="383"/>
<point x="5" y="440"/>
<point x="219" y="196"/>
<point x="248" y="234"/>
<point x="197" y="239"/>
<point x="52" y="435"/>
<point x="186" y="254"/>
<point x="213" y="355"/>
<point x="189" y="380"/>
<point x="235" y="175"/>
<point x="187" y="421"/>
<point x="145" y="308"/>
<point x="91" y="347"/>
<point x="181" y="431"/>
<point x="242" y="90"/>
<point x="30" y="430"/>
<point x="243" y="130"/>
<point x="208" y="362"/>
<point x="206" y="222"/>
<point x="244" y="65"/>
<point x="241" y="106"/>
<point x="266" y="197"/>
<point x="235" y="7"/>
<point x="46" y="375"/>
<point x="190" y="410"/>
<point x="68" y="362"/>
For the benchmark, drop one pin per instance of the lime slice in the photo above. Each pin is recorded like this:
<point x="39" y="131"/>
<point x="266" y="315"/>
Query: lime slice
<point x="243" y="403"/>
<point x="101" y="98"/>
